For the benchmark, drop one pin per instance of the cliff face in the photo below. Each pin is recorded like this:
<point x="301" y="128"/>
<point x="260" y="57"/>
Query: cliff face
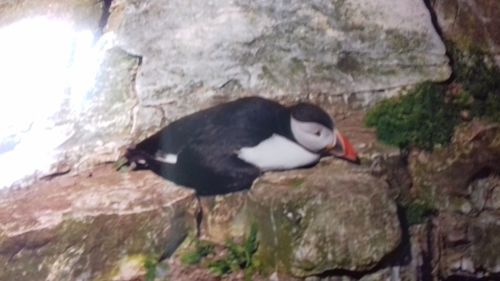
<point x="69" y="215"/>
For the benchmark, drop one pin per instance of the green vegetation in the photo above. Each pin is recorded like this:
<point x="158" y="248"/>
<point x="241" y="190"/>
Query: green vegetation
<point x="419" y="118"/>
<point x="150" y="266"/>
<point x="428" y="114"/>
<point x="239" y="257"/>
<point x="478" y="80"/>
<point x="236" y="256"/>
<point x="201" y="250"/>
<point x="417" y="212"/>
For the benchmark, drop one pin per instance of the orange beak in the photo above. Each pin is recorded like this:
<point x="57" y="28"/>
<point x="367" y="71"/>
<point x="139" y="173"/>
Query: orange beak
<point x="343" y="149"/>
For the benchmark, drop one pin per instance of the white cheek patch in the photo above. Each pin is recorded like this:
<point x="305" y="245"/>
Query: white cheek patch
<point x="277" y="153"/>
<point x="167" y="158"/>
<point x="305" y="134"/>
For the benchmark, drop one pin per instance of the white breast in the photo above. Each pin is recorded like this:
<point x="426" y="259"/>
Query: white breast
<point x="277" y="153"/>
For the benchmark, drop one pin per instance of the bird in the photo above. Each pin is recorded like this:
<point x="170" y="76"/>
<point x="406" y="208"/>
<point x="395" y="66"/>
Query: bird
<point x="224" y="148"/>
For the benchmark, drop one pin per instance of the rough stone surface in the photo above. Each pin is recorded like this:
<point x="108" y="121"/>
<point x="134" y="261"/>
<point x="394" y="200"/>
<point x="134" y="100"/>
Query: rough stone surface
<point x="469" y="245"/>
<point x="196" y="51"/>
<point x="462" y="182"/>
<point x="443" y="177"/>
<point x="470" y="23"/>
<point x="471" y="239"/>
<point x="105" y="123"/>
<point x="101" y="226"/>
<point x="335" y="216"/>
<point x="224" y="218"/>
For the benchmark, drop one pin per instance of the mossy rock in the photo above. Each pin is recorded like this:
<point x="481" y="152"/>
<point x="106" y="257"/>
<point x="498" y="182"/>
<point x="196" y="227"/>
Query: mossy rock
<point x="331" y="220"/>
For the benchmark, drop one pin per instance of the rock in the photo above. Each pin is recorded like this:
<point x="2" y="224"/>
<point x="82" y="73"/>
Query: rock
<point x="493" y="202"/>
<point x="224" y="218"/>
<point x="277" y="49"/>
<point x="79" y="127"/>
<point x="442" y="179"/>
<point x="485" y="242"/>
<point x="101" y="227"/>
<point x="470" y="245"/>
<point x="469" y="23"/>
<point x="105" y="122"/>
<point x="334" y="216"/>
<point x="462" y="182"/>
<point x="82" y="13"/>
<point x="485" y="193"/>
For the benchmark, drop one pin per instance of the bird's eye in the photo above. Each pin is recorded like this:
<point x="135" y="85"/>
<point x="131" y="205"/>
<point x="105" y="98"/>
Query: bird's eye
<point x="318" y="133"/>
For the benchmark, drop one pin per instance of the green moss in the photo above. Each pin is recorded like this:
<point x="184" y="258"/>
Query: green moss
<point x="479" y="79"/>
<point x="427" y="115"/>
<point x="417" y="212"/>
<point x="419" y="118"/>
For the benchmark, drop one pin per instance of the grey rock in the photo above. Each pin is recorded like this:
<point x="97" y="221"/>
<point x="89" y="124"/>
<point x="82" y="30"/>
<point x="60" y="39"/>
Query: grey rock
<point x="193" y="50"/>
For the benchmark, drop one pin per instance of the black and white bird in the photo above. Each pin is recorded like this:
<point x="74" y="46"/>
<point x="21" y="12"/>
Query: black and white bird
<point x="226" y="147"/>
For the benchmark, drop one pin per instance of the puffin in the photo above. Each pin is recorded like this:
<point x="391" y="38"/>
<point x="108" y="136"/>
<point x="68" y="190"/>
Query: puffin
<point x="224" y="148"/>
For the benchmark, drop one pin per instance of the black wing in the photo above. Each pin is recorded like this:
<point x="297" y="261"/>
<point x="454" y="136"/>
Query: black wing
<point x="262" y="117"/>
<point x="211" y="170"/>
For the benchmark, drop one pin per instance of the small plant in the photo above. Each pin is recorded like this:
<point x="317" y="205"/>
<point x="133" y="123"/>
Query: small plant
<point x="201" y="250"/>
<point x="422" y="118"/>
<point x="239" y="257"/>
<point x="235" y="256"/>
<point x="150" y="266"/>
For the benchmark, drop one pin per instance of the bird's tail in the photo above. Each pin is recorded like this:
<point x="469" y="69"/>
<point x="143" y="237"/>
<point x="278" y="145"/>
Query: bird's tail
<point x="136" y="159"/>
<point x="133" y="159"/>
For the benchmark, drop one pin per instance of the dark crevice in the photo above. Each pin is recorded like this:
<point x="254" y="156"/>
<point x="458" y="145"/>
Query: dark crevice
<point x="199" y="217"/>
<point x="430" y="6"/>
<point x="457" y="277"/>
<point x="435" y="22"/>
<point x="482" y="173"/>
<point x="55" y="175"/>
<point x="103" y="21"/>
<point x="426" y="270"/>
<point x="179" y="239"/>
<point x="179" y="231"/>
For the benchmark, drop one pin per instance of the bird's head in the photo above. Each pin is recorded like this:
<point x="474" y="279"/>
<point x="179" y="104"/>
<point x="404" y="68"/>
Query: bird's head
<point x="313" y="128"/>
